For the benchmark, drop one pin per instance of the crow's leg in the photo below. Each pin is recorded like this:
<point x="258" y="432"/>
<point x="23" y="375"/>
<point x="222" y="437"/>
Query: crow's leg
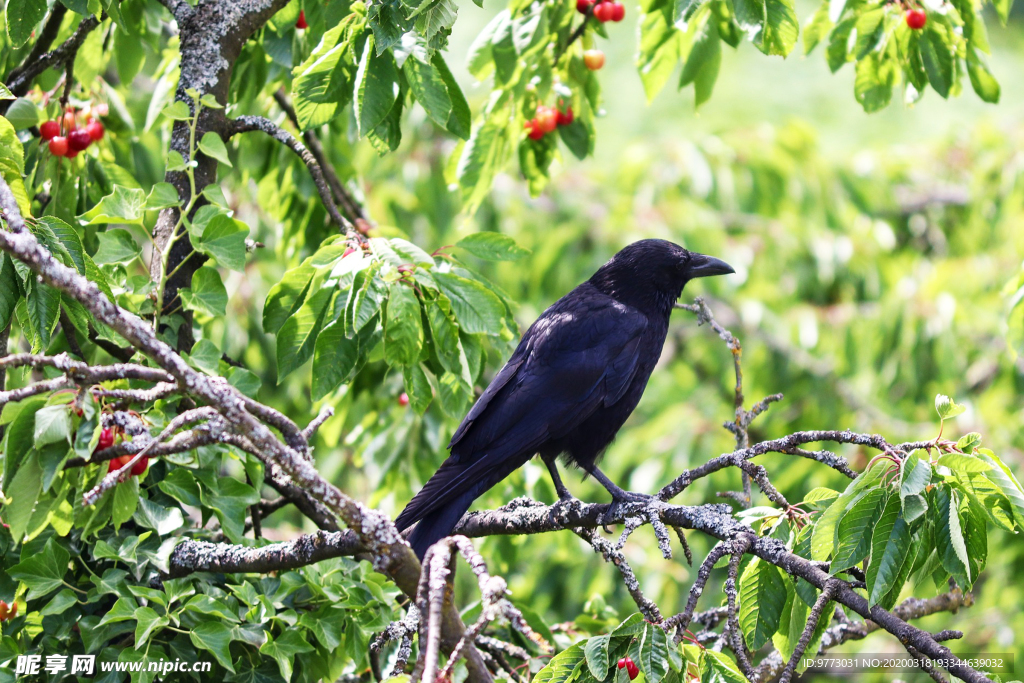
<point x="618" y="495"/>
<point x="556" y="479"/>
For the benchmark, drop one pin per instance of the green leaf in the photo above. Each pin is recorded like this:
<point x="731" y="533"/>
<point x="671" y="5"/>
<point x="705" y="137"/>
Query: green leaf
<point x="229" y="501"/>
<point x="207" y="294"/>
<point x="162" y="196"/>
<point x="5" y="93"/>
<point x="43" y="308"/>
<point x="283" y="649"/>
<point x="703" y="62"/>
<point x="161" y="519"/>
<point x="116" y="246"/>
<point x="855" y="529"/>
<point x="960" y="462"/>
<point x="8" y="290"/>
<point x="213" y="146"/>
<point x="43" y="571"/>
<point x="723" y="665"/>
<point x="890" y="545"/>
<point x="53" y="424"/>
<point x="286" y="297"/>
<point x="23" y="113"/>
<point x="477" y="309"/>
<point x="376" y="87"/>
<point x="1003" y="478"/>
<point x="334" y="358"/>
<point x="214" y="637"/>
<point x="938" y="64"/>
<point x="417" y="386"/>
<point x="771" y="25"/>
<point x="654" y="653"/>
<point x="762" y="594"/>
<point x="824" y="534"/>
<point x="148" y="622"/>
<point x="24" y="490"/>
<point x="563" y="666"/>
<point x="876" y="76"/>
<point x="123" y="205"/>
<point x="915" y="475"/>
<point x="461" y="118"/>
<point x="126" y="501"/>
<point x="403" y="328"/>
<point x="297" y="337"/>
<point x="22" y="18"/>
<point x="596" y="652"/>
<point x="429" y="89"/>
<point x="177" y="111"/>
<point x="492" y="246"/>
<point x="223" y="238"/>
<point x="60" y="603"/>
<point x="12" y="165"/>
<point x="949" y="537"/>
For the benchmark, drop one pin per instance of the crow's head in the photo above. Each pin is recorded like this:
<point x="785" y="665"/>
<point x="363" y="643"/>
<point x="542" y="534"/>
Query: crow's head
<point x="651" y="274"/>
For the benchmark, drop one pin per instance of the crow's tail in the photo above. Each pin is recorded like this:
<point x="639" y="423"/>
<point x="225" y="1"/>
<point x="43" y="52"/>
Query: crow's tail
<point x="439" y="523"/>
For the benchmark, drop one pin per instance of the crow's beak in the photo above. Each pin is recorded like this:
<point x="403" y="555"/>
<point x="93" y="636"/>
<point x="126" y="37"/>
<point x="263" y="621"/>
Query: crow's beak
<point x="706" y="266"/>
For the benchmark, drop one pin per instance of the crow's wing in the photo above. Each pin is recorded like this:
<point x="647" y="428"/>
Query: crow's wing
<point x="582" y="353"/>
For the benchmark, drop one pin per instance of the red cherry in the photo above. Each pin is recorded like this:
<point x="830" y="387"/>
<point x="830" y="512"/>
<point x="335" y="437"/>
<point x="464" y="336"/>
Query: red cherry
<point x="604" y="12"/>
<point x="3" y="610"/>
<point x="58" y="146"/>
<point x="631" y="669"/>
<point x="69" y="120"/>
<point x="622" y="663"/>
<point x="49" y="130"/>
<point x="547" y="118"/>
<point x="72" y="153"/>
<point x="583" y="6"/>
<point x="535" y="130"/>
<point x="140" y="466"/>
<point x="618" y="11"/>
<point x="403" y="400"/>
<point x="916" y="18"/>
<point x="301" y="23"/>
<point x="79" y="140"/>
<point x="593" y="59"/>
<point x="113" y="465"/>
<point x="565" y="117"/>
<point x="106" y="439"/>
<point x="95" y="130"/>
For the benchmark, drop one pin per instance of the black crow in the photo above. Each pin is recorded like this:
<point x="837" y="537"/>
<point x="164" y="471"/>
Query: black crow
<point x="577" y="374"/>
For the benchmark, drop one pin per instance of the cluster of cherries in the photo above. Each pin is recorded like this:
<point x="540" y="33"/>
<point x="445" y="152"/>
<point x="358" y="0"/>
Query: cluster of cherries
<point x="546" y="120"/>
<point x="604" y="10"/>
<point x="8" y="612"/>
<point x="66" y="138"/>
<point x="630" y="667"/>
<point x="916" y="18"/>
<point x="114" y="464"/>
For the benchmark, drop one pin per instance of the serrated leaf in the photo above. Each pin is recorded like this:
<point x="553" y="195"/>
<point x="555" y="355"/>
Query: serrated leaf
<point x="297" y="337"/>
<point x="286" y="297"/>
<point x="562" y="666"/>
<point x="949" y="537"/>
<point x="890" y="543"/>
<point x="334" y="357"/>
<point x="959" y="462"/>
<point x="854" y="531"/>
<point x="477" y="309"/>
<point x="376" y="87"/>
<point x="596" y="652"/>
<point x="762" y="594"/>
<point x="403" y="328"/>
<point x="492" y="246"/>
